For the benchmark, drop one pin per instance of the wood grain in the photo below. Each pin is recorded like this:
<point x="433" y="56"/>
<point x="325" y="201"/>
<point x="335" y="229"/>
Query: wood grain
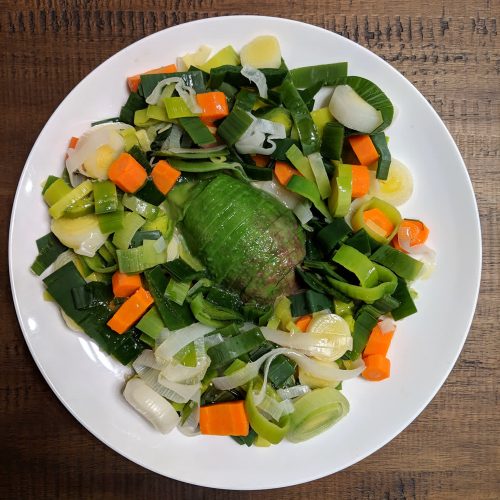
<point x="450" y="52"/>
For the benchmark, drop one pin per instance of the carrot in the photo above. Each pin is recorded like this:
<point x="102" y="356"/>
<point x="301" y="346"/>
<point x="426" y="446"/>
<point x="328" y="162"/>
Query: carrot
<point x="127" y="173"/>
<point x="364" y="149"/>
<point x="213" y="106"/>
<point x="377" y="367"/>
<point x="224" y="419"/>
<point x="378" y="221"/>
<point x="134" y="81"/>
<point x="378" y="342"/>
<point x="125" y="285"/>
<point x="360" y="181"/>
<point x="417" y="233"/>
<point x="73" y="142"/>
<point x="284" y="172"/>
<point x="130" y="311"/>
<point x="260" y="160"/>
<point x="164" y="176"/>
<point x="303" y="322"/>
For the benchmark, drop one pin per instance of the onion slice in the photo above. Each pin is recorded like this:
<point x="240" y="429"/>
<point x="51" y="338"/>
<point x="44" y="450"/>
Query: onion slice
<point x="256" y="76"/>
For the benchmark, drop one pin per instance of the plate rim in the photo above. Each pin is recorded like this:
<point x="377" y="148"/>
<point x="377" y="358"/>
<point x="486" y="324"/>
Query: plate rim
<point x="478" y="247"/>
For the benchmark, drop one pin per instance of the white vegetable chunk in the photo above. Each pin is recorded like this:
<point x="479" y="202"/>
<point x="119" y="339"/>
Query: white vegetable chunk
<point x="262" y="52"/>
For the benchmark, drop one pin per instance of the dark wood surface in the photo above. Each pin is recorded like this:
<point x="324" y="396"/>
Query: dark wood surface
<point x="449" y="50"/>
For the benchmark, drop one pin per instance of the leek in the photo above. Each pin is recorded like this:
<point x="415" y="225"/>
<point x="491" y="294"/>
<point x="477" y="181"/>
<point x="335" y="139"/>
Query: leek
<point x="332" y="141"/>
<point x="105" y="197"/>
<point x="327" y="74"/>
<point x="340" y="199"/>
<point x="320" y="175"/>
<point x="131" y="223"/>
<point x="177" y="108"/>
<point x="406" y="304"/>
<point x="177" y="291"/>
<point x="49" y="248"/>
<point x="57" y="209"/>
<point x="333" y="234"/>
<point x="400" y="263"/>
<point x="308" y="189"/>
<point x="384" y="162"/>
<point x="300" y="162"/>
<point x="141" y="207"/>
<point x="151" y="323"/>
<point x="197" y="130"/>
<point x="234" y="125"/>
<point x="112" y="222"/>
<point x="358" y="264"/>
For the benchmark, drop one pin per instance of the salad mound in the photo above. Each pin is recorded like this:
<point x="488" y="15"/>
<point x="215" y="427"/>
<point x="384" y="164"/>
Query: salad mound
<point x="234" y="236"/>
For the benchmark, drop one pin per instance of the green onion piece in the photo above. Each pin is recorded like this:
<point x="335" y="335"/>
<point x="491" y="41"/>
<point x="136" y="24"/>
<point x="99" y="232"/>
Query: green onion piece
<point x="246" y="440"/>
<point x="360" y="241"/>
<point x="343" y="308"/>
<point x="281" y="370"/>
<point x="364" y="324"/>
<point x="109" y="257"/>
<point x="173" y="316"/>
<point x="177" y="291"/>
<point x="57" y="209"/>
<point x="197" y="130"/>
<point x="141" y="118"/>
<point x="49" y="248"/>
<point x="157" y="112"/>
<point x="400" y="263"/>
<point x="228" y="90"/>
<point x="134" y="102"/>
<point x="112" y="222"/>
<point x="141" y="207"/>
<point x="130" y="138"/>
<point x="387" y="285"/>
<point x="225" y="56"/>
<point x="308" y="94"/>
<point x="282" y="147"/>
<point x="138" y="154"/>
<point x="233" y="347"/>
<point x="228" y="331"/>
<point x="258" y="173"/>
<point x="321" y="118"/>
<point x="177" y="108"/>
<point x="406" y="304"/>
<point x="206" y="166"/>
<point x="131" y="223"/>
<point x="182" y="271"/>
<point x="308" y="302"/>
<point x="105" y="197"/>
<point x="150" y="342"/>
<point x="300" y="162"/>
<point x="234" y="125"/>
<point x="232" y="74"/>
<point x="315" y="412"/>
<point x="150" y="193"/>
<point x="210" y="314"/>
<point x="224" y="298"/>
<point x="245" y="100"/>
<point x="50" y="180"/>
<point x="384" y="162"/>
<point x="325" y="73"/>
<point x="55" y="191"/>
<point x="340" y="199"/>
<point x="82" y="207"/>
<point x="91" y="295"/>
<point x="332" y="141"/>
<point x="358" y="264"/>
<point x="106" y="120"/>
<point x="270" y="431"/>
<point x="140" y="236"/>
<point x="320" y="175"/>
<point x="151" y="323"/>
<point x="162" y="224"/>
<point x="308" y="134"/>
<point x="308" y="189"/>
<point x="192" y="78"/>
<point x="98" y="266"/>
<point x="333" y="234"/>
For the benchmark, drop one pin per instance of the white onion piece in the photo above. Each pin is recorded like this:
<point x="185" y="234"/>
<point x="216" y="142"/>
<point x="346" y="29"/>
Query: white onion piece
<point x="154" y="97"/>
<point x="179" y="339"/>
<point x="181" y="393"/>
<point x="174" y="138"/>
<point x="353" y="111"/>
<point x="387" y="325"/>
<point x="275" y="409"/>
<point x="293" y="392"/>
<point x="256" y="76"/>
<point x="287" y="407"/>
<point x="289" y="199"/>
<point x="404" y="238"/>
<point x="212" y="340"/>
<point x="188" y="95"/>
<point x="147" y="359"/>
<point x="303" y="212"/>
<point x="190" y="426"/>
<point x="197" y="150"/>
<point x="260" y="131"/>
<point x="173" y="247"/>
<point x="90" y="142"/>
<point x="160" y="244"/>
<point x="151" y="405"/>
<point x="151" y="379"/>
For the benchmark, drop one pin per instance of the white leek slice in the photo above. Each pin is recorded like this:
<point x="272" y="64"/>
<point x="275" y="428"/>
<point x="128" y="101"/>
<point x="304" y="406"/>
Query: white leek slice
<point x="151" y="405"/>
<point x="293" y="392"/>
<point x="257" y="77"/>
<point x="260" y="131"/>
<point x="147" y="359"/>
<point x="352" y="111"/>
<point x="397" y="188"/>
<point x="262" y="52"/>
<point x="85" y="152"/>
<point x="82" y="234"/>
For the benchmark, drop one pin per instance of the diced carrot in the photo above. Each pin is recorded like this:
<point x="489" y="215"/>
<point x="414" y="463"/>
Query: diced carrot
<point x="131" y="311"/>
<point x="378" y="221"/>
<point x="363" y="147"/>
<point x="360" y="181"/>
<point x="377" y="367"/>
<point x="416" y="230"/>
<point x="135" y="80"/>
<point x="224" y="419"/>
<point x="303" y="322"/>
<point x="284" y="172"/>
<point x="378" y="342"/>
<point x="125" y="285"/>
<point x="164" y="176"/>
<point x="73" y="142"/>
<point x="213" y="105"/>
<point x="127" y="173"/>
<point x="260" y="160"/>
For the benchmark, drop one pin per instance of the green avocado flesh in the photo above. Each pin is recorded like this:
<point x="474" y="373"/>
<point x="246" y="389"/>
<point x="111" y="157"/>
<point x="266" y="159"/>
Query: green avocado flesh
<point x="247" y="239"/>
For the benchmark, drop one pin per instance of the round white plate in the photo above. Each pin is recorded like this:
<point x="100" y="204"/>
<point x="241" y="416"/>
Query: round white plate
<point x="424" y="348"/>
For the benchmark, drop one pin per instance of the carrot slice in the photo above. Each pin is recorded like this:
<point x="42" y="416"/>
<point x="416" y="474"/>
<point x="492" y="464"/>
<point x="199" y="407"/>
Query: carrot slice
<point x="125" y="285"/>
<point x="377" y="367"/>
<point x="224" y="419"/>
<point x="135" y="80"/>
<point x="303" y="322"/>
<point x="417" y="231"/>
<point x="164" y="176"/>
<point x="284" y="172"/>
<point x="363" y="147"/>
<point x="260" y="160"/>
<point x="130" y="311"/>
<point x="360" y="181"/>
<point x="213" y="106"/>
<point x="378" y="342"/>
<point x="378" y="221"/>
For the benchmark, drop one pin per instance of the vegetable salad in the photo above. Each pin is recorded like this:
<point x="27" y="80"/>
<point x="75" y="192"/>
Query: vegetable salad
<point x="238" y="242"/>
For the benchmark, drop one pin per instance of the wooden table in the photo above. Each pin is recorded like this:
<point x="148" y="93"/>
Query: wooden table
<point x="449" y="51"/>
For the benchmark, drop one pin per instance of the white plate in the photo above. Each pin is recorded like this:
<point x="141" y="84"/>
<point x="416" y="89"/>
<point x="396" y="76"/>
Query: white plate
<point x="425" y="346"/>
